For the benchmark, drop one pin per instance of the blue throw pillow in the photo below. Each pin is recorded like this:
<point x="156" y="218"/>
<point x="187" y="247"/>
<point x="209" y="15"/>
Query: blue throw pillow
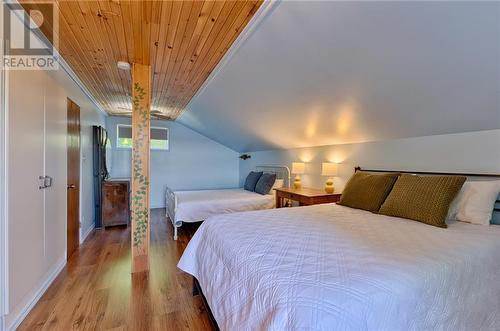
<point x="251" y="181"/>
<point x="265" y="183"/>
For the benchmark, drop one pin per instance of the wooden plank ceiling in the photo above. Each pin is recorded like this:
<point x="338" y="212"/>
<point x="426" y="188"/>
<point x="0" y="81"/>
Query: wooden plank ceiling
<point x="182" y="41"/>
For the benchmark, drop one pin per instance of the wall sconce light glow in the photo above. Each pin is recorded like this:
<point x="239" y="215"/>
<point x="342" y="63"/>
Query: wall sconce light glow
<point x="336" y="157"/>
<point x="311" y="129"/>
<point x="343" y="126"/>
<point x="344" y="121"/>
<point x="306" y="155"/>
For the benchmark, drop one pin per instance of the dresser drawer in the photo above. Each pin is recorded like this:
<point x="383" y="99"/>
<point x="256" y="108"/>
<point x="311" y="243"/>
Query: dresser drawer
<point x="115" y="203"/>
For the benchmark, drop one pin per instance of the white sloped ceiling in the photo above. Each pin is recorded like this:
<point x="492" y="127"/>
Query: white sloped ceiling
<point x="321" y="73"/>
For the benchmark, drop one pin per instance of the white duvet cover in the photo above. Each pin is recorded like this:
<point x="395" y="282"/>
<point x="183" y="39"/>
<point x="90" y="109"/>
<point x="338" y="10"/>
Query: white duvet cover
<point x="195" y="206"/>
<point x="329" y="267"/>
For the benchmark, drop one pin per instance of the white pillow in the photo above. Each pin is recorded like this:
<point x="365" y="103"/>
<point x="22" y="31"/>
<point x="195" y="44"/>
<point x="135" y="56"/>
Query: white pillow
<point x="474" y="203"/>
<point x="278" y="183"/>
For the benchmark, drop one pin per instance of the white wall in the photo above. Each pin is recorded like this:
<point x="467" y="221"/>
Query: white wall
<point x="192" y="162"/>
<point x="3" y="191"/>
<point x="37" y="227"/>
<point x="316" y="73"/>
<point x="89" y="115"/>
<point x="36" y="219"/>
<point x="473" y="152"/>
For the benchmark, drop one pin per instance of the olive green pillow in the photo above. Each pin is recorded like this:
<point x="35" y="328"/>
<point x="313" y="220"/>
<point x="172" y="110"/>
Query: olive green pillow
<point x="422" y="198"/>
<point x="367" y="191"/>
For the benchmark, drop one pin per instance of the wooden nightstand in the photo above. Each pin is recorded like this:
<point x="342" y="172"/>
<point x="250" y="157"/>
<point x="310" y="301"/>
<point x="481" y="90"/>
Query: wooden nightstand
<point x="305" y="196"/>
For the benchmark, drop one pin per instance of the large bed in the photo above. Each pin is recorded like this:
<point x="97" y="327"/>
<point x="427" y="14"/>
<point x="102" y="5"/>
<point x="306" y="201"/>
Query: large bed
<point x="198" y="205"/>
<point x="331" y="267"/>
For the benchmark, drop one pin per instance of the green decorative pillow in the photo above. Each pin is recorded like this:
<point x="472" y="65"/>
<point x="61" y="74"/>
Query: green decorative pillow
<point x="423" y="198"/>
<point x="367" y="191"/>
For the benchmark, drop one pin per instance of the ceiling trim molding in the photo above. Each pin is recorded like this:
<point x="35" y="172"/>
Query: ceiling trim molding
<point x="264" y="11"/>
<point x="58" y="57"/>
<point x="78" y="82"/>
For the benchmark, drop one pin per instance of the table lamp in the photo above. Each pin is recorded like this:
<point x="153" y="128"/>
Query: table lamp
<point x="330" y="170"/>
<point x="298" y="169"/>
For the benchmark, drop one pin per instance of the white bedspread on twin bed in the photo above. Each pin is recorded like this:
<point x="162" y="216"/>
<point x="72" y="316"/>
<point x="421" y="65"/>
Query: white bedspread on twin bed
<point x="195" y="206"/>
<point x="329" y="267"/>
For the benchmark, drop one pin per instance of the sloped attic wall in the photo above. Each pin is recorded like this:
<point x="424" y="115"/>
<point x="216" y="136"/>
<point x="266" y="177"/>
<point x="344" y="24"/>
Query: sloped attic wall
<point x="323" y="73"/>
<point x="470" y="152"/>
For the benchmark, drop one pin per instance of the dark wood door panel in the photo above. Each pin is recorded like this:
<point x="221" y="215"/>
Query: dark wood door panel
<point x="73" y="178"/>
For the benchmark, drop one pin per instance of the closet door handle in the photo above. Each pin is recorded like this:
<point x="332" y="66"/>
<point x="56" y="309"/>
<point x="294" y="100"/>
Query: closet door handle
<point x="44" y="182"/>
<point x="47" y="181"/>
<point x="71" y="186"/>
<point x="41" y="182"/>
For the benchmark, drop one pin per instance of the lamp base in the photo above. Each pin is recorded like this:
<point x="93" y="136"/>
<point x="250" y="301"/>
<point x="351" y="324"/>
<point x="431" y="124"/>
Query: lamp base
<point x="329" y="186"/>
<point x="297" y="184"/>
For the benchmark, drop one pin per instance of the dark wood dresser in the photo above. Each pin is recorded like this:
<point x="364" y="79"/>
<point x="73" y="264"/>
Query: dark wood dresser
<point x="115" y="202"/>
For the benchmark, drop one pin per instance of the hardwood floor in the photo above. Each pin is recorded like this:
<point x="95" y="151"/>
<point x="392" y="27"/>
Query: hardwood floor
<point x="96" y="290"/>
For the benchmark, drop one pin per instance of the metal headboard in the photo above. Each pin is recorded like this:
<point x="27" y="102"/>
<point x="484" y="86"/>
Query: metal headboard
<point x="281" y="171"/>
<point x="495" y="219"/>
<point x="466" y="174"/>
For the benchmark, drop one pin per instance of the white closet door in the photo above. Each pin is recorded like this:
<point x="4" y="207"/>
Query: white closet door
<point x="55" y="167"/>
<point x="26" y="213"/>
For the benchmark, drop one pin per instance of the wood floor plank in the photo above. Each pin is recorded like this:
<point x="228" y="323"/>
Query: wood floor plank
<point x="96" y="291"/>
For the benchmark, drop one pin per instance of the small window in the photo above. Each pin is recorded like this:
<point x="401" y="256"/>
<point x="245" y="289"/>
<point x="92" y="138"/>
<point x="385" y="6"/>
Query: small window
<point x="158" y="137"/>
<point x="124" y="139"/>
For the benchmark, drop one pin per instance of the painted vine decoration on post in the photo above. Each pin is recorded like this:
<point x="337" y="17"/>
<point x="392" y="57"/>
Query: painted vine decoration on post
<point x="140" y="212"/>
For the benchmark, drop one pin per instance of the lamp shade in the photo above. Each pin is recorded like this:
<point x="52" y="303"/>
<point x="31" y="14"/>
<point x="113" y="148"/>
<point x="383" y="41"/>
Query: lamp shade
<point x="298" y="168"/>
<point x="329" y="169"/>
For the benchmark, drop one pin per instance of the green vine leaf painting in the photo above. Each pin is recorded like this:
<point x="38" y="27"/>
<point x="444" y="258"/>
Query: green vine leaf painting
<point x="140" y="211"/>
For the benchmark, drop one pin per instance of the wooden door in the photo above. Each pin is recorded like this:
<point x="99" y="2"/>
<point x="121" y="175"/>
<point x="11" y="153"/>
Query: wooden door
<point x="73" y="182"/>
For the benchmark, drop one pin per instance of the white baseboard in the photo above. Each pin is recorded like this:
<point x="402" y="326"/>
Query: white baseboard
<point x="20" y="312"/>
<point x="84" y="236"/>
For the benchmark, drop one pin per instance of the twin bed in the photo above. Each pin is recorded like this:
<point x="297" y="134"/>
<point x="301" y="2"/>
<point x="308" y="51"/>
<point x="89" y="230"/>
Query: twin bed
<point x="332" y="267"/>
<point x="197" y="206"/>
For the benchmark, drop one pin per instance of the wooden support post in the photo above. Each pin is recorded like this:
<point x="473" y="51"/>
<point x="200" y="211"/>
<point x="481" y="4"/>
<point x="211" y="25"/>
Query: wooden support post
<point x="141" y="104"/>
